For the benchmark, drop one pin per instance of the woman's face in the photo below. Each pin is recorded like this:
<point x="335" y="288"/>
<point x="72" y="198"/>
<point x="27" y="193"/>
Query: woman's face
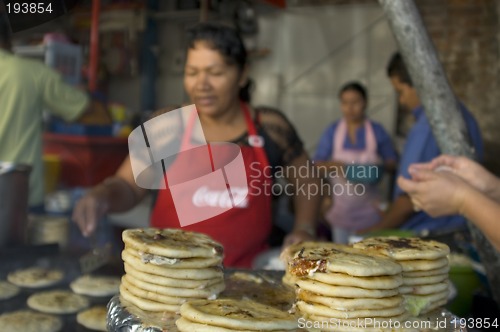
<point x="352" y="106"/>
<point x="211" y="83"/>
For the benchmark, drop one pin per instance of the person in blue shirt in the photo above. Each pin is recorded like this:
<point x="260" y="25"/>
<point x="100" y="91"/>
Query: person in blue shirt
<point x="420" y="147"/>
<point x="349" y="151"/>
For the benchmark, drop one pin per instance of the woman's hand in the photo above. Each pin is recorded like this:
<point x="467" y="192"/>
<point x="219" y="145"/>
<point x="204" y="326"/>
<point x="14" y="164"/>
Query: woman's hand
<point x="118" y="193"/>
<point x="468" y="170"/>
<point x="90" y="209"/>
<point x="378" y="226"/>
<point x="437" y="193"/>
<point x="297" y="237"/>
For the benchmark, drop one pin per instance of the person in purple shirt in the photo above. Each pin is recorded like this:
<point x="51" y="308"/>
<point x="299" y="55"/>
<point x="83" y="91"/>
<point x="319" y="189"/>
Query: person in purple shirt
<point x="420" y="147"/>
<point x="352" y="153"/>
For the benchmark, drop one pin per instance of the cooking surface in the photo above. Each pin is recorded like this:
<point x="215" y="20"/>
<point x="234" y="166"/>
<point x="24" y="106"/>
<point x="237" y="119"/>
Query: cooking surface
<point x="49" y="256"/>
<point x="268" y="288"/>
<point x="239" y="285"/>
<point x="261" y="286"/>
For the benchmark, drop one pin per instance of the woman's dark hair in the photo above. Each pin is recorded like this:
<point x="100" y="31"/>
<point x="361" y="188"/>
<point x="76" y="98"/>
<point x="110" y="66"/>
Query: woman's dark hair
<point x="354" y="86"/>
<point x="397" y="68"/>
<point x="226" y="40"/>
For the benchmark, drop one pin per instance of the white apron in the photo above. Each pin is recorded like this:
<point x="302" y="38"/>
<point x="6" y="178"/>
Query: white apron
<point x="351" y="212"/>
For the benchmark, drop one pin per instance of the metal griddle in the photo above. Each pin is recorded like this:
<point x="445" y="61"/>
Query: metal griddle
<point x="50" y="256"/>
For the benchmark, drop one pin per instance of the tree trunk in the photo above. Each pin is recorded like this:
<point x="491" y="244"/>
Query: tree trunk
<point x="440" y="105"/>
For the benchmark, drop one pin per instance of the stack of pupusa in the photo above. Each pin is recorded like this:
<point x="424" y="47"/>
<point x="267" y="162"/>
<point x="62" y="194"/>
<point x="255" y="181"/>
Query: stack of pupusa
<point x="425" y="269"/>
<point x="344" y="285"/>
<point x="225" y="315"/>
<point x="166" y="267"/>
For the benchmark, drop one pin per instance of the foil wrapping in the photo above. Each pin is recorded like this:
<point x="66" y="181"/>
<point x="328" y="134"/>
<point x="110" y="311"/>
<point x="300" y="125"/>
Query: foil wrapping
<point x="125" y="317"/>
<point x="264" y="287"/>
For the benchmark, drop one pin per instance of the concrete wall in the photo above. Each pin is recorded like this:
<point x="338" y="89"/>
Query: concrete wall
<point x="314" y="51"/>
<point x="466" y="35"/>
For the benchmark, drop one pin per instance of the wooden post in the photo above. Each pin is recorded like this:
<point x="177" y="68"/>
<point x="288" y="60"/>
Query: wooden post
<point x="440" y="105"/>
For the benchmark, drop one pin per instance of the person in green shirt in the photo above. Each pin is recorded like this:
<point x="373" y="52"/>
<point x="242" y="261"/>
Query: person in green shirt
<point x="27" y="87"/>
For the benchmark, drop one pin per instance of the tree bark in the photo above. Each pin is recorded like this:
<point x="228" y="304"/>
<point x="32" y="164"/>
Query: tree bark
<point x="440" y="104"/>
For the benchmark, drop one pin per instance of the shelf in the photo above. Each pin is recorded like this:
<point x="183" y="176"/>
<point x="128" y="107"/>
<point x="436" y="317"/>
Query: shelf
<point x="31" y="51"/>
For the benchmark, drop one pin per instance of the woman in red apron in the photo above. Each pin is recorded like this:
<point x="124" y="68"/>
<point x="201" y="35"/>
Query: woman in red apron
<point x="244" y="229"/>
<point x="215" y="80"/>
<point x="352" y="148"/>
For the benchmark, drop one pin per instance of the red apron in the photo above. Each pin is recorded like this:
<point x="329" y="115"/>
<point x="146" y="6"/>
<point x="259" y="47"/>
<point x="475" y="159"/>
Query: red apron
<point x="244" y="229"/>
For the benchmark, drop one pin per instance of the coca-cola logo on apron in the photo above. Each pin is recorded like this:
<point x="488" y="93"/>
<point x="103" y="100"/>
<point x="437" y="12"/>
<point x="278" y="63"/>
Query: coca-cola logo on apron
<point x="205" y="196"/>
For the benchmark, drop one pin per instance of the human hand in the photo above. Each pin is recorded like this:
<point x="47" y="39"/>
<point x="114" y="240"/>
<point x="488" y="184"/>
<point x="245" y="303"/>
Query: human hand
<point x="437" y="193"/>
<point x="374" y="228"/>
<point x="90" y="209"/>
<point x="297" y="237"/>
<point x="335" y="168"/>
<point x="468" y="170"/>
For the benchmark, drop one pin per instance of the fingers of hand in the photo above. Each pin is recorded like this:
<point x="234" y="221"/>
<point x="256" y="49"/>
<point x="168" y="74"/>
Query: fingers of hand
<point x="366" y="230"/>
<point x="380" y="212"/>
<point x="87" y="212"/>
<point x="406" y="184"/>
<point x="411" y="187"/>
<point x="79" y="216"/>
<point x="416" y="205"/>
<point x="419" y="167"/>
<point x="446" y="160"/>
<point x="96" y="209"/>
<point x="289" y="240"/>
<point x="422" y="175"/>
<point x="297" y="237"/>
